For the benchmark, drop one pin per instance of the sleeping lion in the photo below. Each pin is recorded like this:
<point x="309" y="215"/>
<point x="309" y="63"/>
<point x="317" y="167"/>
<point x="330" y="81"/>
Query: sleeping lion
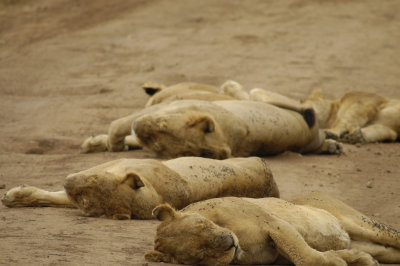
<point x="219" y="129"/>
<point x="357" y="117"/>
<point x="313" y="229"/>
<point x="206" y="127"/>
<point x="132" y="188"/>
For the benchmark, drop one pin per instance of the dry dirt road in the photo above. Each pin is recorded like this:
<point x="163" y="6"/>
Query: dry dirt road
<point x="68" y="68"/>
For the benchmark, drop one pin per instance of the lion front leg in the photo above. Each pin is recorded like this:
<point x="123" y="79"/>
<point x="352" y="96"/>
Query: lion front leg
<point x="369" y="134"/>
<point x="330" y="146"/>
<point x="117" y="132"/>
<point x="356" y="111"/>
<point x="28" y="196"/>
<point x="95" y="144"/>
<point x="100" y="144"/>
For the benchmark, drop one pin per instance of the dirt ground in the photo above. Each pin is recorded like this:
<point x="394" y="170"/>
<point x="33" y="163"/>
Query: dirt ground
<point x="68" y="68"/>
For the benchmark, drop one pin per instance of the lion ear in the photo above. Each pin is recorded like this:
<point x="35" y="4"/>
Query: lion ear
<point x="133" y="180"/>
<point x="164" y="212"/>
<point x="152" y="88"/>
<point x="156" y="256"/>
<point x="204" y="122"/>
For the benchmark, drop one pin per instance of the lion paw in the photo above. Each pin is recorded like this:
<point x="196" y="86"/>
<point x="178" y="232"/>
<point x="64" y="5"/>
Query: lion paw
<point x="95" y="144"/>
<point x="331" y="146"/>
<point x="356" y="257"/>
<point x="331" y="135"/>
<point x="20" y="196"/>
<point x="354" y="137"/>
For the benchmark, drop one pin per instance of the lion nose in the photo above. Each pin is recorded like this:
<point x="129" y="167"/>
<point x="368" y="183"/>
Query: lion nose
<point x="72" y="182"/>
<point x="227" y="242"/>
<point x="68" y="183"/>
<point x="142" y="127"/>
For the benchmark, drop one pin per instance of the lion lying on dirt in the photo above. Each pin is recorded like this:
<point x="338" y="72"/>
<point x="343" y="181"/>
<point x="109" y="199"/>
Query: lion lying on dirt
<point x="357" y="117"/>
<point x="132" y="188"/>
<point x="312" y="229"/>
<point x="219" y="129"/>
<point x="195" y="116"/>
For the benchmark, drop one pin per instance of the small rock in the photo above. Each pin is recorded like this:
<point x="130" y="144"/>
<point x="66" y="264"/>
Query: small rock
<point x="369" y="184"/>
<point x="358" y="170"/>
<point x="2" y="186"/>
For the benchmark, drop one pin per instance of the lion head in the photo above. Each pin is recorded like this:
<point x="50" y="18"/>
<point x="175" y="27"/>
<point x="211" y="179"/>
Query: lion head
<point x="115" y="190"/>
<point x="190" y="238"/>
<point x="182" y="131"/>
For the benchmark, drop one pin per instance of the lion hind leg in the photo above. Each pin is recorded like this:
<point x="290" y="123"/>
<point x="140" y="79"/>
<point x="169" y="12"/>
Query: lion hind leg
<point x="363" y="228"/>
<point x="357" y="225"/>
<point x="28" y="196"/>
<point x="382" y="253"/>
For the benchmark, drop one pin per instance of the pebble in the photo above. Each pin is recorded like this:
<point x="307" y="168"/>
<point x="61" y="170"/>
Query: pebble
<point x="2" y="186"/>
<point x="369" y="184"/>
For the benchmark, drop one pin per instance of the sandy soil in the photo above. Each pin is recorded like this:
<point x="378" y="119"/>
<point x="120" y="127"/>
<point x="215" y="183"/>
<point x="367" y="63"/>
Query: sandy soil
<point x="68" y="68"/>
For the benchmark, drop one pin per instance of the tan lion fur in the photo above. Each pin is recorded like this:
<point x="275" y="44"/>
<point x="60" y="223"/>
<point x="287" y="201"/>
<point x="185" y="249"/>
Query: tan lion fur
<point x="312" y="229"/>
<point x="127" y="188"/>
